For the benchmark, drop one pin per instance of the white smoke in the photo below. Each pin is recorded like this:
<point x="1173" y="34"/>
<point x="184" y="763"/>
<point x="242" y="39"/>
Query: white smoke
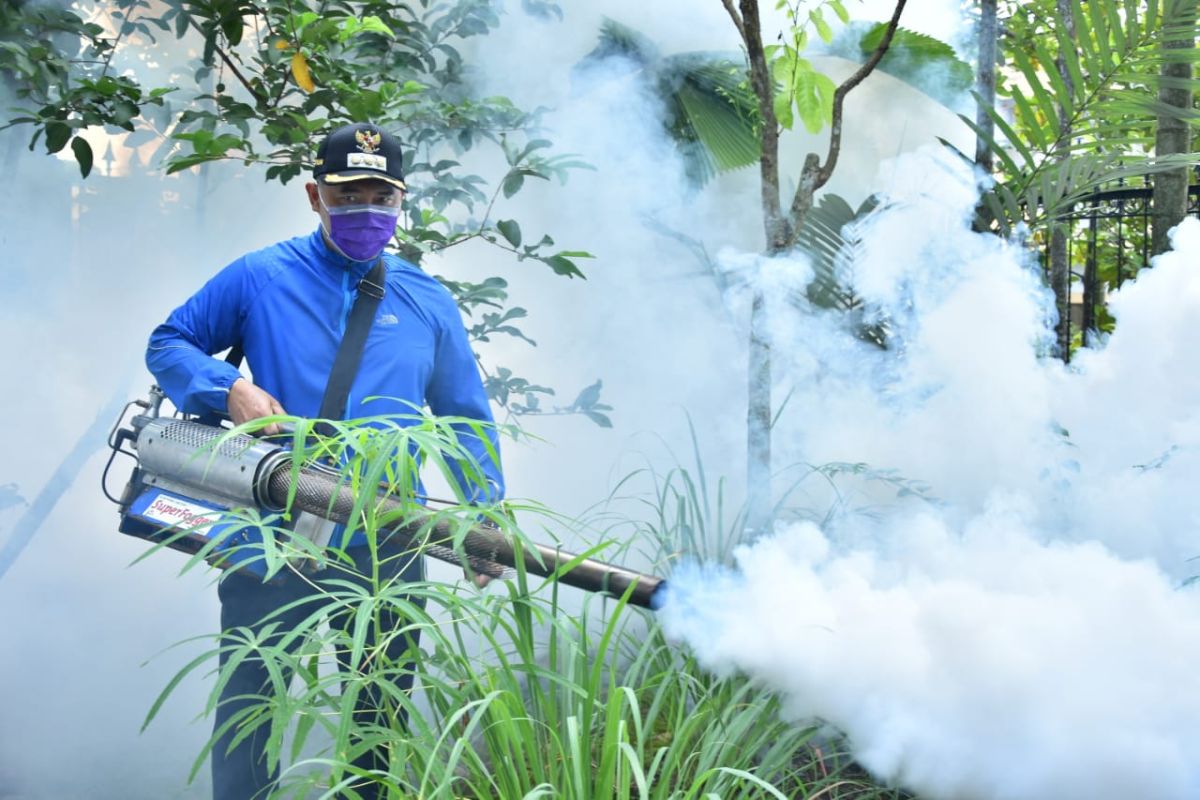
<point x="967" y="663"/>
<point x="1026" y="636"/>
<point x="84" y="295"/>
<point x="91" y="267"/>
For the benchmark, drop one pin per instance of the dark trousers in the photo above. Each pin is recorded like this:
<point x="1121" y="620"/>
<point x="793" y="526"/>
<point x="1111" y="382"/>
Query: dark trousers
<point x="242" y="774"/>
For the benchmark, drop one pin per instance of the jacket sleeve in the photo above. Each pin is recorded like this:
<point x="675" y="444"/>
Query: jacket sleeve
<point x="180" y="350"/>
<point x="456" y="390"/>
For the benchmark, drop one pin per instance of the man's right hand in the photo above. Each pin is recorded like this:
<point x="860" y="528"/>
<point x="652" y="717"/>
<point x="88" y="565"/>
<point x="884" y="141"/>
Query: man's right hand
<point x="248" y="402"/>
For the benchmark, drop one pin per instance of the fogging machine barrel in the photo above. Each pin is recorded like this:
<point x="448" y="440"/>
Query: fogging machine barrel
<point x="206" y="463"/>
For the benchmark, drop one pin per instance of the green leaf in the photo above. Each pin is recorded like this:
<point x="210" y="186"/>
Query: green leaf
<point x="1100" y="29"/>
<point x="1062" y="93"/>
<point x="185" y="162"/>
<point x="57" y="136"/>
<point x="513" y="183"/>
<point x="106" y="86"/>
<point x="783" y="110"/>
<point x="600" y="419"/>
<point x="1041" y="133"/>
<point x="1050" y="128"/>
<point x="562" y="265"/>
<point x="723" y="125"/>
<point x="232" y="26"/>
<point x="814" y="99"/>
<point x="1085" y="39"/>
<point x="823" y="29"/>
<point x="373" y="24"/>
<point x="1016" y="141"/>
<point x="925" y="63"/>
<point x="510" y="230"/>
<point x="588" y="397"/>
<point x="991" y="200"/>
<point x="83" y="155"/>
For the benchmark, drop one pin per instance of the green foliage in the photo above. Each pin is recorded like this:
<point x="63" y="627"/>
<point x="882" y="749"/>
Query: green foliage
<point x="521" y="694"/>
<point x="273" y="78"/>
<point x="800" y="89"/>
<point x="923" y="62"/>
<point x="38" y="56"/>
<point x="710" y="110"/>
<point x="827" y="238"/>
<point x="1069" y="138"/>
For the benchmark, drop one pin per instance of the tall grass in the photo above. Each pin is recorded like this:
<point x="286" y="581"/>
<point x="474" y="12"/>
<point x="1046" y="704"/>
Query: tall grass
<point x="526" y="690"/>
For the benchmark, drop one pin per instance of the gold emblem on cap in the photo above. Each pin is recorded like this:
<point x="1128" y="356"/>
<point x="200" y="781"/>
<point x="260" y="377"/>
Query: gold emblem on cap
<point x="368" y="141"/>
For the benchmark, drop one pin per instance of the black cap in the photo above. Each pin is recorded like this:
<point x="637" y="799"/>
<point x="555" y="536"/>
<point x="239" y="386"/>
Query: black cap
<point x="359" y="151"/>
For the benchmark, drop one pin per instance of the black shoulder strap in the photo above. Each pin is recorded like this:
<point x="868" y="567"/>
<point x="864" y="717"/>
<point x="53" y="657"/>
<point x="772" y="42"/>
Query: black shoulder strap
<point x="235" y="355"/>
<point x="354" y="341"/>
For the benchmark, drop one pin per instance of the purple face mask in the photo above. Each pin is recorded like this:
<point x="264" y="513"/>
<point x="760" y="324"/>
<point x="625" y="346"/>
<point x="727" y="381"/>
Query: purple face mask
<point x="361" y="232"/>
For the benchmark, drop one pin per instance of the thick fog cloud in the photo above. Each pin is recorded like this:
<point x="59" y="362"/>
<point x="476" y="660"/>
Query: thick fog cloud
<point x="93" y="266"/>
<point x="1027" y="631"/>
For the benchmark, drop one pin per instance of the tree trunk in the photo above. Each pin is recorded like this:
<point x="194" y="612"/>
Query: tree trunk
<point x="985" y="82"/>
<point x="1060" y="265"/>
<point x="1174" y="136"/>
<point x="1060" y="280"/>
<point x="758" y="419"/>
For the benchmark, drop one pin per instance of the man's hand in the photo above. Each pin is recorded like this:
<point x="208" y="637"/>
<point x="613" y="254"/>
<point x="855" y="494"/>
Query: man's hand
<point x="479" y="579"/>
<point x="247" y="402"/>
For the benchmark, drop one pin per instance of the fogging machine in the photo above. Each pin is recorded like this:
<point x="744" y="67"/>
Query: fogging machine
<point x="189" y="475"/>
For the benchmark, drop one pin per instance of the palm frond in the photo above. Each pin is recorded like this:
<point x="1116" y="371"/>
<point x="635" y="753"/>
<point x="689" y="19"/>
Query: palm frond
<point x="714" y="112"/>
<point x="1066" y="135"/>
<point x="711" y="111"/>
<point x="619" y="40"/>
<point x="827" y="237"/>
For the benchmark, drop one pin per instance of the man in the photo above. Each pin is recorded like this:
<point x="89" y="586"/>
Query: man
<point x="287" y="306"/>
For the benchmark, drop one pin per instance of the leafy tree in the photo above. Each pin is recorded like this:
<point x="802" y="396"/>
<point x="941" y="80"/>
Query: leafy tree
<point x="1083" y="84"/>
<point x="782" y="80"/>
<point x="1069" y="138"/>
<point x="717" y="115"/>
<point x="271" y="80"/>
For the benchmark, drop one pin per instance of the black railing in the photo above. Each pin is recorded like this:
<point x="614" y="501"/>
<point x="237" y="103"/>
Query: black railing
<point x="1113" y="229"/>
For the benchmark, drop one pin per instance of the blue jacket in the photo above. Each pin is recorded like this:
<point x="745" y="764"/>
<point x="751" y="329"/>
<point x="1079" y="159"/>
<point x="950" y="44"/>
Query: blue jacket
<point x="288" y="304"/>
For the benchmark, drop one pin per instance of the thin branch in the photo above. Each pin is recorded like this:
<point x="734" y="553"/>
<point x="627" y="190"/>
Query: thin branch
<point x="237" y="74"/>
<point x="814" y="175"/>
<point x="737" y="20"/>
<point x="229" y="63"/>
<point x="839" y="96"/>
<point x="775" y="226"/>
<point x="126" y="24"/>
